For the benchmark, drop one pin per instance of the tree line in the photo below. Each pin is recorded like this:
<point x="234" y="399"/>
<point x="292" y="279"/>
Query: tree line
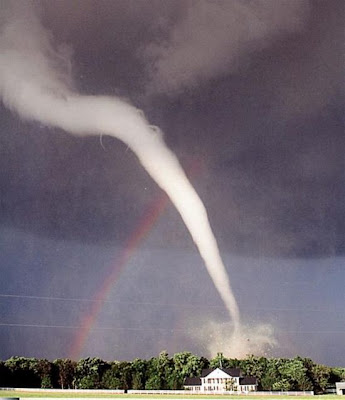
<point x="164" y="372"/>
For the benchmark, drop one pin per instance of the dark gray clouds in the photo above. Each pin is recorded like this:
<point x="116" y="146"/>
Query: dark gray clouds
<point x="258" y="105"/>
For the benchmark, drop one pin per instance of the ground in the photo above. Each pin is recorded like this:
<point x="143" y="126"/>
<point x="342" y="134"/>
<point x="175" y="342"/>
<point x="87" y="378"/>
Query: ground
<point x="47" y="394"/>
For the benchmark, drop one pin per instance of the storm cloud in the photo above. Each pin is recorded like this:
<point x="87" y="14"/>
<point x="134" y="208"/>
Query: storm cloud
<point x="253" y="93"/>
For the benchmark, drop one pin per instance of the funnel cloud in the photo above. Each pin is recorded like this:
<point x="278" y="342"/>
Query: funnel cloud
<point x="31" y="86"/>
<point x="252" y="92"/>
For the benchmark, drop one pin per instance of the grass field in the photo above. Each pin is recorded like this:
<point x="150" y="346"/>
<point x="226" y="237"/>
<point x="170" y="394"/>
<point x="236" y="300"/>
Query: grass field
<point x="93" y="395"/>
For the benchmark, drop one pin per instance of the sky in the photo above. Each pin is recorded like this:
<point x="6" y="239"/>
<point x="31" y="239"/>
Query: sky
<point x="249" y="95"/>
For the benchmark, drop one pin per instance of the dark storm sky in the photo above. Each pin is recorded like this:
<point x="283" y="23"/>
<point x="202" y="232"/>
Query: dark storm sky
<point x="252" y="93"/>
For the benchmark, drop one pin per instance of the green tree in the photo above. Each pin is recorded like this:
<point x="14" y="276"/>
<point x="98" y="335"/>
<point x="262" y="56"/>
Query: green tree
<point x="44" y="369"/>
<point x="283" y="385"/>
<point x="337" y="375"/>
<point x="4" y="375"/>
<point x="89" y="372"/>
<point x="321" y="375"/>
<point x="220" y="361"/>
<point x="125" y="369"/>
<point x="23" y="372"/>
<point x="159" y="372"/>
<point x="164" y="372"/>
<point x="254" y="366"/>
<point x="153" y="383"/>
<point x="271" y="375"/>
<point x="308" y="365"/>
<point x="111" y="377"/>
<point x="185" y="364"/>
<point x="294" y="371"/>
<point x="139" y="373"/>
<point x="66" y="371"/>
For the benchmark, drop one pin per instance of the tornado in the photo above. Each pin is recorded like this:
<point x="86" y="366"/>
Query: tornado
<point x="35" y="84"/>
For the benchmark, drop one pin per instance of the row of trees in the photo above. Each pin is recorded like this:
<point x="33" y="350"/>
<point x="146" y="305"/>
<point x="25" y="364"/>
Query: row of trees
<point x="164" y="372"/>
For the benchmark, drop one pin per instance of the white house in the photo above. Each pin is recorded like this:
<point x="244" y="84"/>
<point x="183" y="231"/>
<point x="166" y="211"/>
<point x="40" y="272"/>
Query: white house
<point x="340" y="387"/>
<point x="221" y="380"/>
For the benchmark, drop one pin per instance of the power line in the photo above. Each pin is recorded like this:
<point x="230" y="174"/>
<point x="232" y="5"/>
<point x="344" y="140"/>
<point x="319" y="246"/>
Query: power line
<point x="106" y="328"/>
<point x="47" y="298"/>
<point x="114" y="328"/>
<point x="190" y="305"/>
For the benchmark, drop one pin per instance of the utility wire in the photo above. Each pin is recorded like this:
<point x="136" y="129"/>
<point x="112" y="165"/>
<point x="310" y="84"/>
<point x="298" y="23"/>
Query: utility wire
<point x="114" y="328"/>
<point x="104" y="328"/>
<point x="190" y="305"/>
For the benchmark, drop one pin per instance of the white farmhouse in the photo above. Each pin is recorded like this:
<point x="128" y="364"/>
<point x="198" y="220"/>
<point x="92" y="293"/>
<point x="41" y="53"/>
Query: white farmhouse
<point x="221" y="380"/>
<point x="340" y="386"/>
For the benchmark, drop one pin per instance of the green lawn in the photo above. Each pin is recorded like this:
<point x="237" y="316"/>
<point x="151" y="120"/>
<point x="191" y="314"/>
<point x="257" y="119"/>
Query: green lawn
<point x="47" y="394"/>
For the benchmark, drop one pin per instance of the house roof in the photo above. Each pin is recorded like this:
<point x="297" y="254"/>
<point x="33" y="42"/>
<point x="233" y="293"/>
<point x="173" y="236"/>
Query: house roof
<point x="340" y="385"/>
<point x="234" y="372"/>
<point x="248" y="380"/>
<point x="231" y="372"/>
<point x="192" y="381"/>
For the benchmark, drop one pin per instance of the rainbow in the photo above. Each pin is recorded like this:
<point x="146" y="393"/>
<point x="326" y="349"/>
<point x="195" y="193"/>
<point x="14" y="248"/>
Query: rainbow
<point x="152" y="214"/>
<point x="144" y="226"/>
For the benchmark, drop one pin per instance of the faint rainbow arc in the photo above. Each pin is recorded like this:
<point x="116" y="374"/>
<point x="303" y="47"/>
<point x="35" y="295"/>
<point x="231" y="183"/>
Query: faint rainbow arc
<point x="145" y="225"/>
<point x="154" y="211"/>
